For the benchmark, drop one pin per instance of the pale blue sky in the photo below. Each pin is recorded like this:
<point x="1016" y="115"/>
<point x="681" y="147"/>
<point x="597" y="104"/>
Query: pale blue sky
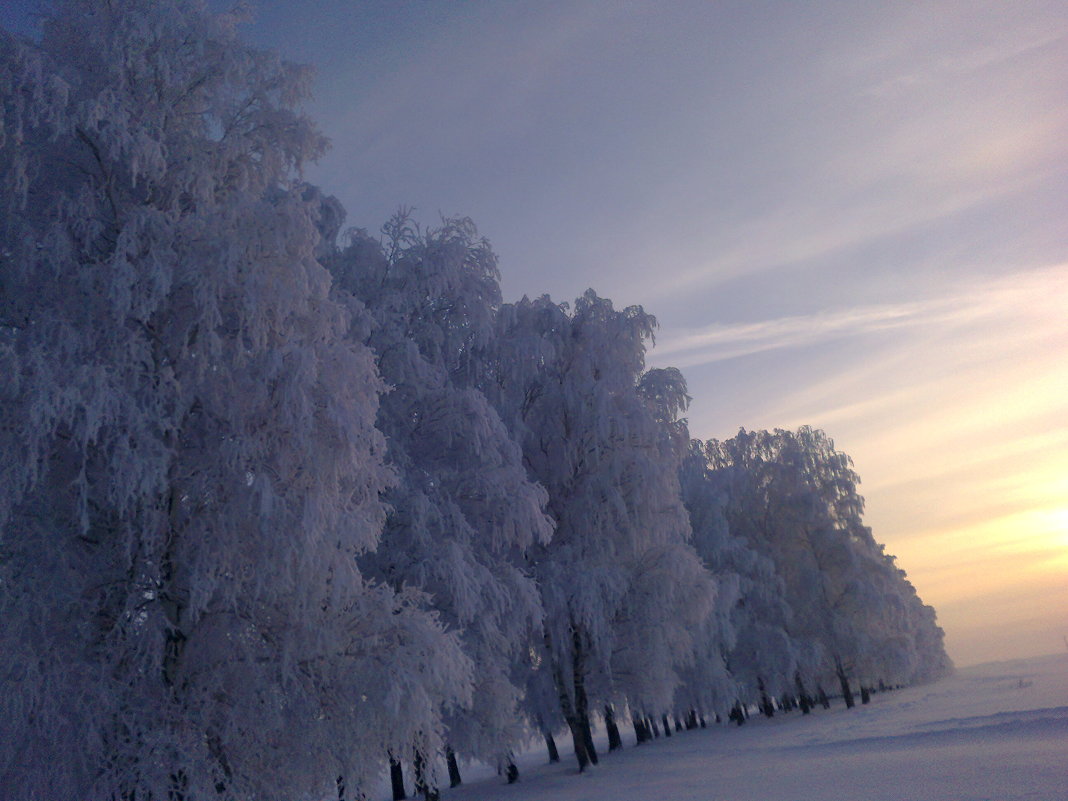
<point x="848" y="214"/>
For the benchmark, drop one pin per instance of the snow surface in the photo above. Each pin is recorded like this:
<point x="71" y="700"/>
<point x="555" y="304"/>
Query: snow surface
<point x="997" y="732"/>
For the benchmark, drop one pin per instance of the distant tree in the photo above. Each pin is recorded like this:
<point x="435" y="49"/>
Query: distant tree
<point x="794" y="498"/>
<point x="190" y="464"/>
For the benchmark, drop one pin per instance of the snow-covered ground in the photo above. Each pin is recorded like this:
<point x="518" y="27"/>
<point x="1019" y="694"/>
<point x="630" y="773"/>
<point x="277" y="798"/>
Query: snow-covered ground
<point x="997" y="731"/>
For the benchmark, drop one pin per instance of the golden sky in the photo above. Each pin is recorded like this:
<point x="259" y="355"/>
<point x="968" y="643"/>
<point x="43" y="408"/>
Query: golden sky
<point x="955" y="411"/>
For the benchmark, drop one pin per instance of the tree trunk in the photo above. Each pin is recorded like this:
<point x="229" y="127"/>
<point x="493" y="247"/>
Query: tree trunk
<point x="454" y="770"/>
<point x="574" y="724"/>
<point x="847" y="693"/>
<point x="821" y="694"/>
<point x="865" y="694"/>
<point x="550" y="744"/>
<point x="614" y="740"/>
<point x="653" y="726"/>
<point x="641" y="730"/>
<point x="574" y="707"/>
<point x="582" y="756"/>
<point x="582" y="707"/>
<point x="766" y="706"/>
<point x="802" y="694"/>
<point x="587" y="735"/>
<point x="667" y="726"/>
<point x="396" y="779"/>
<point x="737" y="715"/>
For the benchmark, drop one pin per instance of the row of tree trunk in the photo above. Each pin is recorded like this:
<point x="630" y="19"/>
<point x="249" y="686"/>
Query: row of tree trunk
<point x="574" y="705"/>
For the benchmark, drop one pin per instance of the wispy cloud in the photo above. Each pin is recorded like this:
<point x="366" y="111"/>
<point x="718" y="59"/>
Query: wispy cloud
<point x="717" y="342"/>
<point x="1004" y="300"/>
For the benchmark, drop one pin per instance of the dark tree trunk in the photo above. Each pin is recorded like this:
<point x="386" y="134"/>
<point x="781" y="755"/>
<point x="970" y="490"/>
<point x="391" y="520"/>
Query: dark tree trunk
<point x="574" y="707"/>
<point x="678" y="723"/>
<point x="396" y="779"/>
<point x="691" y="719"/>
<point x="737" y="715"/>
<point x="614" y="740"/>
<point x="821" y="695"/>
<point x="574" y="725"/>
<point x="582" y="756"/>
<point x="550" y="744"/>
<point x="667" y="726"/>
<point x="865" y="695"/>
<point x="340" y="788"/>
<point x="587" y="736"/>
<point x="765" y="703"/>
<point x="653" y="726"/>
<point x="802" y="694"/>
<point x="582" y="707"/>
<point x="641" y="731"/>
<point x="847" y="693"/>
<point x="455" y="780"/>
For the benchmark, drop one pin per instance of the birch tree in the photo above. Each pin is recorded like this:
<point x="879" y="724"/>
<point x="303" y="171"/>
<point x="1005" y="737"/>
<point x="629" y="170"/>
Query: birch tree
<point x="190" y="461"/>
<point x="567" y="383"/>
<point x="794" y="497"/>
<point x="464" y="512"/>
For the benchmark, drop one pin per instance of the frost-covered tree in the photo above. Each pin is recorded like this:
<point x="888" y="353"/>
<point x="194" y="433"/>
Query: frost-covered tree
<point x="464" y="512"/>
<point x="794" y="498"/>
<point x="670" y="613"/>
<point x="745" y="644"/>
<point x="568" y="384"/>
<point x="190" y="463"/>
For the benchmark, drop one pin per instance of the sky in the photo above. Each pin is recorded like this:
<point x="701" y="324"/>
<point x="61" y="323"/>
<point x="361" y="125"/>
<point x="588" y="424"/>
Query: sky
<point x="849" y="215"/>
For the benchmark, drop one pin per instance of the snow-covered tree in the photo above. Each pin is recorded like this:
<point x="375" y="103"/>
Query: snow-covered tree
<point x="190" y="461"/>
<point x="568" y="384"/>
<point x="464" y="511"/>
<point x="794" y="498"/>
<point x="745" y="645"/>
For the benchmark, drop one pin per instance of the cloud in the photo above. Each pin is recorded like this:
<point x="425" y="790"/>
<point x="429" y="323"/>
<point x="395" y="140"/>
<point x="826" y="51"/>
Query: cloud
<point x="1033" y="298"/>
<point x="717" y="342"/>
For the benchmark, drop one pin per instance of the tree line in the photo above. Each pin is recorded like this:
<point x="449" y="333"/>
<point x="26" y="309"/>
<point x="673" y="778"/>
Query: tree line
<point x="282" y="505"/>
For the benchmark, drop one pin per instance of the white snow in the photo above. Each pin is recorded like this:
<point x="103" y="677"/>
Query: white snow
<point x="997" y="732"/>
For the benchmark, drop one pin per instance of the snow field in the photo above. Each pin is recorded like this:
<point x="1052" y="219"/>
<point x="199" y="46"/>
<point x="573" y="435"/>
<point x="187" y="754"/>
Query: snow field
<point x="995" y="732"/>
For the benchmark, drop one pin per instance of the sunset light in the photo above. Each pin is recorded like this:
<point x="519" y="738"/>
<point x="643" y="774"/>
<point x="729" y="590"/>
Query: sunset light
<point x="401" y="393"/>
